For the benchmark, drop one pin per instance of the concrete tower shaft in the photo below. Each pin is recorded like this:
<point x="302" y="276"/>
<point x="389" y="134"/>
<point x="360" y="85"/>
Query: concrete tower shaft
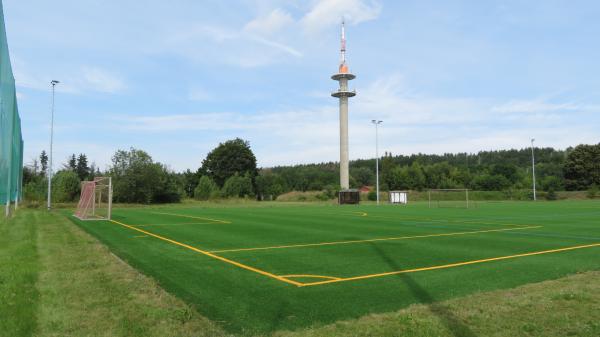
<point x="343" y="93"/>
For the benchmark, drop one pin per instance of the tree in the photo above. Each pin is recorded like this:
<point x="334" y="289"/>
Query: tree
<point x="228" y="159"/>
<point x="44" y="162"/>
<point x="489" y="182"/>
<point x="205" y="189"/>
<point x="82" y="169"/>
<point x="269" y="185"/>
<point x="139" y="179"/>
<point x="65" y="186"/>
<point x="582" y="167"/>
<point x="363" y="176"/>
<point x="237" y="186"/>
<point x="190" y="181"/>
<point x="508" y="171"/>
<point x="72" y="164"/>
<point x="551" y="183"/>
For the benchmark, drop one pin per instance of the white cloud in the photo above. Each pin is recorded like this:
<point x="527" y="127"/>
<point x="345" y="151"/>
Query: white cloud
<point x="270" y="24"/>
<point x="101" y="80"/>
<point x="326" y="13"/>
<point x="210" y="44"/>
<point x="534" y="106"/>
<point x="77" y="81"/>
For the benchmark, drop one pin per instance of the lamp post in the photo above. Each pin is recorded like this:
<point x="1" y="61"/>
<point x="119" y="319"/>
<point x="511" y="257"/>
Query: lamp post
<point x="376" y="123"/>
<point x="53" y="83"/>
<point x="533" y="168"/>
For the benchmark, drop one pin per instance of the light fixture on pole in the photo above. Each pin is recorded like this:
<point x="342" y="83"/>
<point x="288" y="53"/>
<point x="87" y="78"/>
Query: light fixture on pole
<point x="533" y="168"/>
<point x="53" y="83"/>
<point x="377" y="122"/>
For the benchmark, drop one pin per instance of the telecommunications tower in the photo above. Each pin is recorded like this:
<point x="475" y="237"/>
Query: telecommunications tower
<point x="343" y="76"/>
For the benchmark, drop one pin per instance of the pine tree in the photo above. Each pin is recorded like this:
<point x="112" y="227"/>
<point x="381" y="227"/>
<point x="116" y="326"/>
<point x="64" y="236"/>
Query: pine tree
<point x="44" y="162"/>
<point x="82" y="168"/>
<point x="72" y="165"/>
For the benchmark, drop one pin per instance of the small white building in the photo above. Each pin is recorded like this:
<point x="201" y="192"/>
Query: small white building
<point x="399" y="197"/>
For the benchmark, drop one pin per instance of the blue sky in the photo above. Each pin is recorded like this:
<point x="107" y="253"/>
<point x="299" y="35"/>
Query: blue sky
<point x="175" y="78"/>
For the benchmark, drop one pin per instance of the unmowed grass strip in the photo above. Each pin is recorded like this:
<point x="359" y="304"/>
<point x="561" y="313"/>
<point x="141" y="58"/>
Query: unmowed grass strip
<point x="557" y="308"/>
<point x="19" y="270"/>
<point x="78" y="288"/>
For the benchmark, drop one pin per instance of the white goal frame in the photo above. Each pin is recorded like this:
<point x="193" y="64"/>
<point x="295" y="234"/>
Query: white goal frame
<point x="93" y="194"/>
<point x="465" y="190"/>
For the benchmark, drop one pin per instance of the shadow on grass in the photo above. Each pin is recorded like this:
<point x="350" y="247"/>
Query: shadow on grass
<point x="452" y="323"/>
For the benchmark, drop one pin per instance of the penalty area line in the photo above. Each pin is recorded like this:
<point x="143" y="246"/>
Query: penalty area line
<point x="372" y="240"/>
<point x="209" y="254"/>
<point x="193" y="217"/>
<point x="451" y="265"/>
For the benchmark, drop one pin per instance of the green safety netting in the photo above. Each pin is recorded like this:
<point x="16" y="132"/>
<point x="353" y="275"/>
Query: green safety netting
<point x="11" y="142"/>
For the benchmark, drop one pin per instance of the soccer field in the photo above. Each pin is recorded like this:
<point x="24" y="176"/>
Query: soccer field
<point x="271" y="267"/>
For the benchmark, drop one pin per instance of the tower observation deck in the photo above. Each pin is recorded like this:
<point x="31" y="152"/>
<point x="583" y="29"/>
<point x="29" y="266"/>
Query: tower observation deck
<point x="343" y="93"/>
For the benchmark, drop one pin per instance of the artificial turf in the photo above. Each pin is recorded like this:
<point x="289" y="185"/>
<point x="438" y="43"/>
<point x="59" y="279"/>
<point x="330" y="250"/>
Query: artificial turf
<point x="213" y="257"/>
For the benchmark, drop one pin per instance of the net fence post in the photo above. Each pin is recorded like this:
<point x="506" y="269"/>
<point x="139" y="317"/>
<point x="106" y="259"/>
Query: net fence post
<point x="10" y="158"/>
<point x="467" y="190"/>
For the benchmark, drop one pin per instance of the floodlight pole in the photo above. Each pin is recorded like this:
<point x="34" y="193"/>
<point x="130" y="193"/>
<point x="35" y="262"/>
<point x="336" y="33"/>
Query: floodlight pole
<point x="53" y="83"/>
<point x="376" y="122"/>
<point x="533" y="168"/>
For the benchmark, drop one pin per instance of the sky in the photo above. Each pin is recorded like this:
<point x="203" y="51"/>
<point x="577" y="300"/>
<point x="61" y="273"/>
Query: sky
<point x="176" y="78"/>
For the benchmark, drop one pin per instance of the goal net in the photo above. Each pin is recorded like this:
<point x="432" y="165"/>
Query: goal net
<point x="95" y="202"/>
<point x="457" y="198"/>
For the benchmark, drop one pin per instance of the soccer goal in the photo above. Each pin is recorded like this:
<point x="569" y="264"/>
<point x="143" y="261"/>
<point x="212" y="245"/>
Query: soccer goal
<point x="458" y="198"/>
<point x="95" y="202"/>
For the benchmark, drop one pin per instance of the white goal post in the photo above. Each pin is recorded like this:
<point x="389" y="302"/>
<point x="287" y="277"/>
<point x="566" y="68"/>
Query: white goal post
<point x="95" y="202"/>
<point x="448" y="197"/>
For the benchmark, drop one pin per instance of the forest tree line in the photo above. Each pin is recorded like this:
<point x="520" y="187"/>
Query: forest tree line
<point x="230" y="170"/>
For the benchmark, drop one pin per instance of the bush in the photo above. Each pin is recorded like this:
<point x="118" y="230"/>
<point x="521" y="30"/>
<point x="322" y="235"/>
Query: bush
<point x="65" y="186"/>
<point x="36" y="189"/>
<point x="372" y="196"/>
<point x="551" y="195"/>
<point x="237" y="186"/>
<point x="592" y="192"/>
<point x="205" y="189"/>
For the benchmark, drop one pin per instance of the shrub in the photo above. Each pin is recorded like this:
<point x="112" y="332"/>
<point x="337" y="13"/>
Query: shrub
<point x="237" y="186"/>
<point x="372" y="195"/>
<point x="65" y="186"/>
<point x="592" y="192"/>
<point x="205" y="189"/>
<point x="551" y="195"/>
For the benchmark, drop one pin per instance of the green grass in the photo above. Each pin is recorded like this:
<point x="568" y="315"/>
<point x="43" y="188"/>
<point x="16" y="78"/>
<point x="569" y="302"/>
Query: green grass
<point x="247" y="302"/>
<point x="57" y="280"/>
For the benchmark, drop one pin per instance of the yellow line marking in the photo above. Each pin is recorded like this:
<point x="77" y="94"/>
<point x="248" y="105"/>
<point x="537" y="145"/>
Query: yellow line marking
<point x="452" y="265"/>
<point x="449" y="221"/>
<point x="371" y="240"/>
<point x="237" y="264"/>
<point x="311" y="276"/>
<point x="193" y="217"/>
<point x="176" y="224"/>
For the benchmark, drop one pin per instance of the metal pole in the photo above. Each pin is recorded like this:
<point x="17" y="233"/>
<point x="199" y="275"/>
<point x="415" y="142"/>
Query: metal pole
<point x="376" y="122"/>
<point x="54" y="83"/>
<point x="533" y="168"/>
